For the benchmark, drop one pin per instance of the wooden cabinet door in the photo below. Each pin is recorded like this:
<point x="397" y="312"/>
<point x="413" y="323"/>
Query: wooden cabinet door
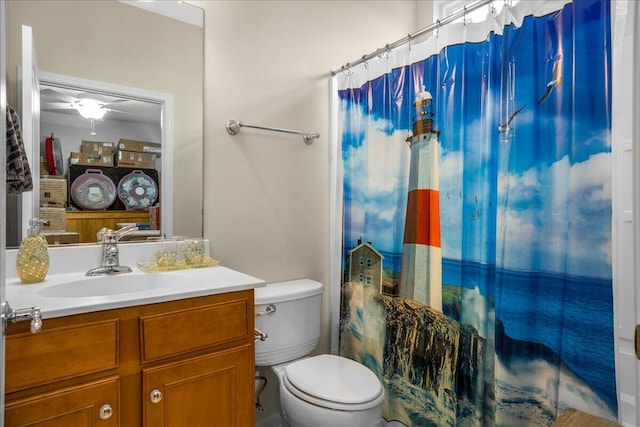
<point x="211" y="390"/>
<point x="80" y="406"/>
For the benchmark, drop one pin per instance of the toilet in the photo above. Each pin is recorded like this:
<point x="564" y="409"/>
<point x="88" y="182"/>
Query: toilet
<point x="318" y="391"/>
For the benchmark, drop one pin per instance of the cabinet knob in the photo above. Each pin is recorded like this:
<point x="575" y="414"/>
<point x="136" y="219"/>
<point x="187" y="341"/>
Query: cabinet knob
<point x="106" y="411"/>
<point x="155" y="396"/>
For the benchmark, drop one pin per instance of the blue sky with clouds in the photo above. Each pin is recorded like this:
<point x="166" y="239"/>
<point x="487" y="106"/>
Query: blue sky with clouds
<point x="537" y="197"/>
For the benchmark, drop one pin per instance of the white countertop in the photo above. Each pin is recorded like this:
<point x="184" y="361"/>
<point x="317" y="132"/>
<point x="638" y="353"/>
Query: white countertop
<point x="70" y="265"/>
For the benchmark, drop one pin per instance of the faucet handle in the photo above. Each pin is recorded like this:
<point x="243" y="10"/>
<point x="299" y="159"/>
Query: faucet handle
<point x="127" y="229"/>
<point x="104" y="235"/>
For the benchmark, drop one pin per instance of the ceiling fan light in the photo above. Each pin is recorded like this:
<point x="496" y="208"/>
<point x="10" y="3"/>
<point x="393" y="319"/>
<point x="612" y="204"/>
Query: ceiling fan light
<point x="89" y="109"/>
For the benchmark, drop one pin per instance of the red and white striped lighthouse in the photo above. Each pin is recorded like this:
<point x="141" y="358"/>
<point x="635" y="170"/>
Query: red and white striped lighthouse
<point x="421" y="271"/>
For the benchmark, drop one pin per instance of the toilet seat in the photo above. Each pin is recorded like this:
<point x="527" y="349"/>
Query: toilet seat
<point x="333" y="382"/>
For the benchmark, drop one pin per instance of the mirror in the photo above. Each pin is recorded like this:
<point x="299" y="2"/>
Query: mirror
<point x="94" y="141"/>
<point x="115" y="44"/>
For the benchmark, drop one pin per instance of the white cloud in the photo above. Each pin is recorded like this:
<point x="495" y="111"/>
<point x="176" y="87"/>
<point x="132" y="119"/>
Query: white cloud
<point x="451" y="204"/>
<point x="378" y="171"/>
<point x="387" y="215"/>
<point x="554" y="216"/>
<point x="381" y="163"/>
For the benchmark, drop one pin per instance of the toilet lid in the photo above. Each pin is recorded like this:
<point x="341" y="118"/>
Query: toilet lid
<point x="334" y="379"/>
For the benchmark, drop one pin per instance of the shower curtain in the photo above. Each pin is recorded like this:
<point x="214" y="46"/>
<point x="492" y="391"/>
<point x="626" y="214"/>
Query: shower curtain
<point x="476" y="219"/>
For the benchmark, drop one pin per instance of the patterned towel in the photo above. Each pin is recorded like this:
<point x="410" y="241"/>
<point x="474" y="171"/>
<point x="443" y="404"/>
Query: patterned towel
<point x="19" y="177"/>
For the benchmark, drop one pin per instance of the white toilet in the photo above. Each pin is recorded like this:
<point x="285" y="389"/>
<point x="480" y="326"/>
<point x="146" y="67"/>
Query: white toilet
<point x="317" y="391"/>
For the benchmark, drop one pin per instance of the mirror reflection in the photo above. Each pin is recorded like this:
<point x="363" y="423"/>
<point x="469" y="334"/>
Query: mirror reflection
<point x="100" y="163"/>
<point x="113" y="43"/>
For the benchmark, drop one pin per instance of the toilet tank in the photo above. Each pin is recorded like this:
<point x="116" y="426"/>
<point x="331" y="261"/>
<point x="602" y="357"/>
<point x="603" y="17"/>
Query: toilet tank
<point x="293" y="330"/>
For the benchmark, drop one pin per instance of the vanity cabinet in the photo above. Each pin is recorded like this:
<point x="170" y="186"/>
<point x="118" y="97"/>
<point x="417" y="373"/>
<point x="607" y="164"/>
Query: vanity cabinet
<point x="183" y="362"/>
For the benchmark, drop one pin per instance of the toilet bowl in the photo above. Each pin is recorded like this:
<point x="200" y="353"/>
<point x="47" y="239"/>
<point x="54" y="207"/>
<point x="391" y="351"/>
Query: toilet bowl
<point x="329" y="390"/>
<point x="318" y="391"/>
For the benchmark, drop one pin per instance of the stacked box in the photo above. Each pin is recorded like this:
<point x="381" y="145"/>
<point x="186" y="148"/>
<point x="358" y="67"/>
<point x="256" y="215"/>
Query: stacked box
<point x="61" y="237"/>
<point x="53" y="190"/>
<point x="91" y="159"/>
<point x="44" y="167"/>
<point x="154" y="217"/>
<point x="136" y="159"/>
<point x="140" y="146"/>
<point x="98" y="147"/>
<point x="57" y="218"/>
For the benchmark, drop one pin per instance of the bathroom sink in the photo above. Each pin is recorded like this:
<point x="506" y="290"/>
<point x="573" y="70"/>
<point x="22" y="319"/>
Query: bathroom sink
<point x="111" y="285"/>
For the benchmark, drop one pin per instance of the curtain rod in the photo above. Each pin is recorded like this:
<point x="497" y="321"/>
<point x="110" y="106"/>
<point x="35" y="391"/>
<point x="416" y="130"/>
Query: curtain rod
<point x="439" y="23"/>
<point x="233" y="127"/>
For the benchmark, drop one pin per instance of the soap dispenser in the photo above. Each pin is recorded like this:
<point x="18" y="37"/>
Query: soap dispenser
<point x="32" y="262"/>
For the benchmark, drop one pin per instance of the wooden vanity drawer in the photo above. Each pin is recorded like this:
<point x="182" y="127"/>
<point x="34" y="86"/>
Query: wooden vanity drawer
<point x="179" y="332"/>
<point x="60" y="353"/>
<point x="75" y="406"/>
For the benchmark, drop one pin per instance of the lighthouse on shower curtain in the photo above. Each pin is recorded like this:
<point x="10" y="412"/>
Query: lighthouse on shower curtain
<point x="421" y="270"/>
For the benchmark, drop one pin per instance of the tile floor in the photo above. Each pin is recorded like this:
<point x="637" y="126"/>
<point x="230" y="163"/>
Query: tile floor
<point x="275" y="422"/>
<point x="571" y="418"/>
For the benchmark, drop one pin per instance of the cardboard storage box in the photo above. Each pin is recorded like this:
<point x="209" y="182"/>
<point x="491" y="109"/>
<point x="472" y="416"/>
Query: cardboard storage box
<point x="91" y="159"/>
<point x="134" y="159"/>
<point x="141" y="146"/>
<point x="53" y="190"/>
<point x="154" y="217"/>
<point x="97" y="147"/>
<point x="44" y="167"/>
<point x="61" y="237"/>
<point x="57" y="218"/>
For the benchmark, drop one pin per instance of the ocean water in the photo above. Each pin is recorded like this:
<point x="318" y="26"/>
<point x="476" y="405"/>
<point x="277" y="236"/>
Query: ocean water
<point x="571" y="315"/>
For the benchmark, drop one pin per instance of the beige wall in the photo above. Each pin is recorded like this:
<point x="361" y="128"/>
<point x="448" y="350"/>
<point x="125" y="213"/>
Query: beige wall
<point x="112" y="42"/>
<point x="266" y="195"/>
<point x="424" y="14"/>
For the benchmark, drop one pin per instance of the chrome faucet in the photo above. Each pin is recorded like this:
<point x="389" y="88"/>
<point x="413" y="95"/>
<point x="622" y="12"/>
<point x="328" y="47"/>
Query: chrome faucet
<point x="110" y="251"/>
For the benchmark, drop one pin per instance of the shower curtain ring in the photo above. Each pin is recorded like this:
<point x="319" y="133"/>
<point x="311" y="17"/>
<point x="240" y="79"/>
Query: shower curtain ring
<point x="349" y="71"/>
<point x="464" y="16"/>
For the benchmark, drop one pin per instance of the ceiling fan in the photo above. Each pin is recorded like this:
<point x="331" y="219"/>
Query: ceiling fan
<point x="88" y="105"/>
